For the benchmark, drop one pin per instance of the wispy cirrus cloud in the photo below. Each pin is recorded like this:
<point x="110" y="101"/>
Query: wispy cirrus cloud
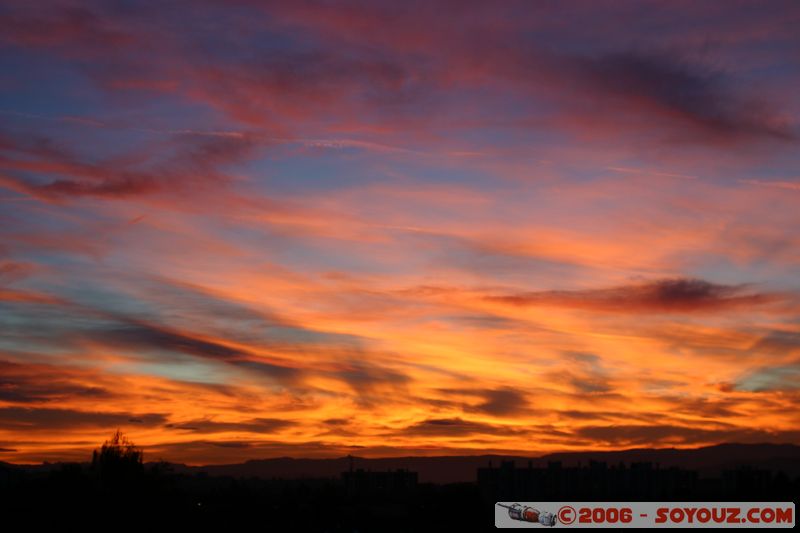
<point x="659" y="296"/>
<point x="630" y="435"/>
<point x="41" y="419"/>
<point x="194" y="162"/>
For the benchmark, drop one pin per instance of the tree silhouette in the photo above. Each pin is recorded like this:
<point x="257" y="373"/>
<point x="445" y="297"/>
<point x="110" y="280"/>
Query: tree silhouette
<point x="118" y="463"/>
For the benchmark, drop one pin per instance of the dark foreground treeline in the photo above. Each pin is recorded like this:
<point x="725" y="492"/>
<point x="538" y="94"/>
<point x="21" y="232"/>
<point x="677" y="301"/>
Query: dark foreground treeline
<point x="357" y="501"/>
<point x="153" y="493"/>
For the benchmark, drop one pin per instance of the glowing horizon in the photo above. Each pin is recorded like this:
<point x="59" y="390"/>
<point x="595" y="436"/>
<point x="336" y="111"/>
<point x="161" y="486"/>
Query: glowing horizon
<point x="253" y="230"/>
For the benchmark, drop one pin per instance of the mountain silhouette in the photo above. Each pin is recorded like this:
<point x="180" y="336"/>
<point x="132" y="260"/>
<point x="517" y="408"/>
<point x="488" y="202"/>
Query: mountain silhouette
<point x="709" y="460"/>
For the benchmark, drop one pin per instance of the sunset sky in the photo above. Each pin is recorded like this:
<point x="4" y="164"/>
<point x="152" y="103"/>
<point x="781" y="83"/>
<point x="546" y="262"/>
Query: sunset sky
<point x="251" y="229"/>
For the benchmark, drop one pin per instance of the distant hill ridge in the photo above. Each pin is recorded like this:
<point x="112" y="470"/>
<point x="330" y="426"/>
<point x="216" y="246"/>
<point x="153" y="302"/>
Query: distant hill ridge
<point x="451" y="469"/>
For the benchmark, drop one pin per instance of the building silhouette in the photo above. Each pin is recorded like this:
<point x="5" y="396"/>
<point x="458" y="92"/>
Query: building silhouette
<point x="360" y="481"/>
<point x="639" y="481"/>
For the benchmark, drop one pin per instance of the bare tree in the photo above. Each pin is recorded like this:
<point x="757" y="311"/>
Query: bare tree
<point x="118" y="461"/>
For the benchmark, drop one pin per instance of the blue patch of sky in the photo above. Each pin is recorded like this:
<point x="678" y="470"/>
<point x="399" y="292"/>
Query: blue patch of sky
<point x="785" y="377"/>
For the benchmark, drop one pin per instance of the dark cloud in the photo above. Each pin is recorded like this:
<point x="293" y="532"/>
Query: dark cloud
<point x="457" y="427"/>
<point x="587" y="415"/>
<point x="247" y="350"/>
<point x="348" y="70"/>
<point x="711" y="409"/>
<point x="586" y="374"/>
<point x="73" y="325"/>
<point x="42" y="383"/>
<point x="232" y="333"/>
<point x="665" y="92"/>
<point x="281" y="373"/>
<point x="234" y="320"/>
<point x="46" y="171"/>
<point x="232" y="444"/>
<point x="61" y="26"/>
<point x="300" y="82"/>
<point x="481" y="321"/>
<point x="588" y="385"/>
<point x="584" y="358"/>
<point x="138" y="334"/>
<point x="778" y="342"/>
<point x="505" y="401"/>
<point x="632" y="435"/>
<point x="484" y="257"/>
<point x="40" y="419"/>
<point x="369" y="381"/>
<point x="671" y="89"/>
<point x="253" y="425"/>
<point x="679" y="295"/>
<point x="336" y="421"/>
<point x="14" y="391"/>
<point x="732" y="344"/>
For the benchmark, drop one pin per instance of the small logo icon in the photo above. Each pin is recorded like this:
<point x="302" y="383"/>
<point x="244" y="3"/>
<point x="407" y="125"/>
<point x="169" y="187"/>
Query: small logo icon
<point x="524" y="513"/>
